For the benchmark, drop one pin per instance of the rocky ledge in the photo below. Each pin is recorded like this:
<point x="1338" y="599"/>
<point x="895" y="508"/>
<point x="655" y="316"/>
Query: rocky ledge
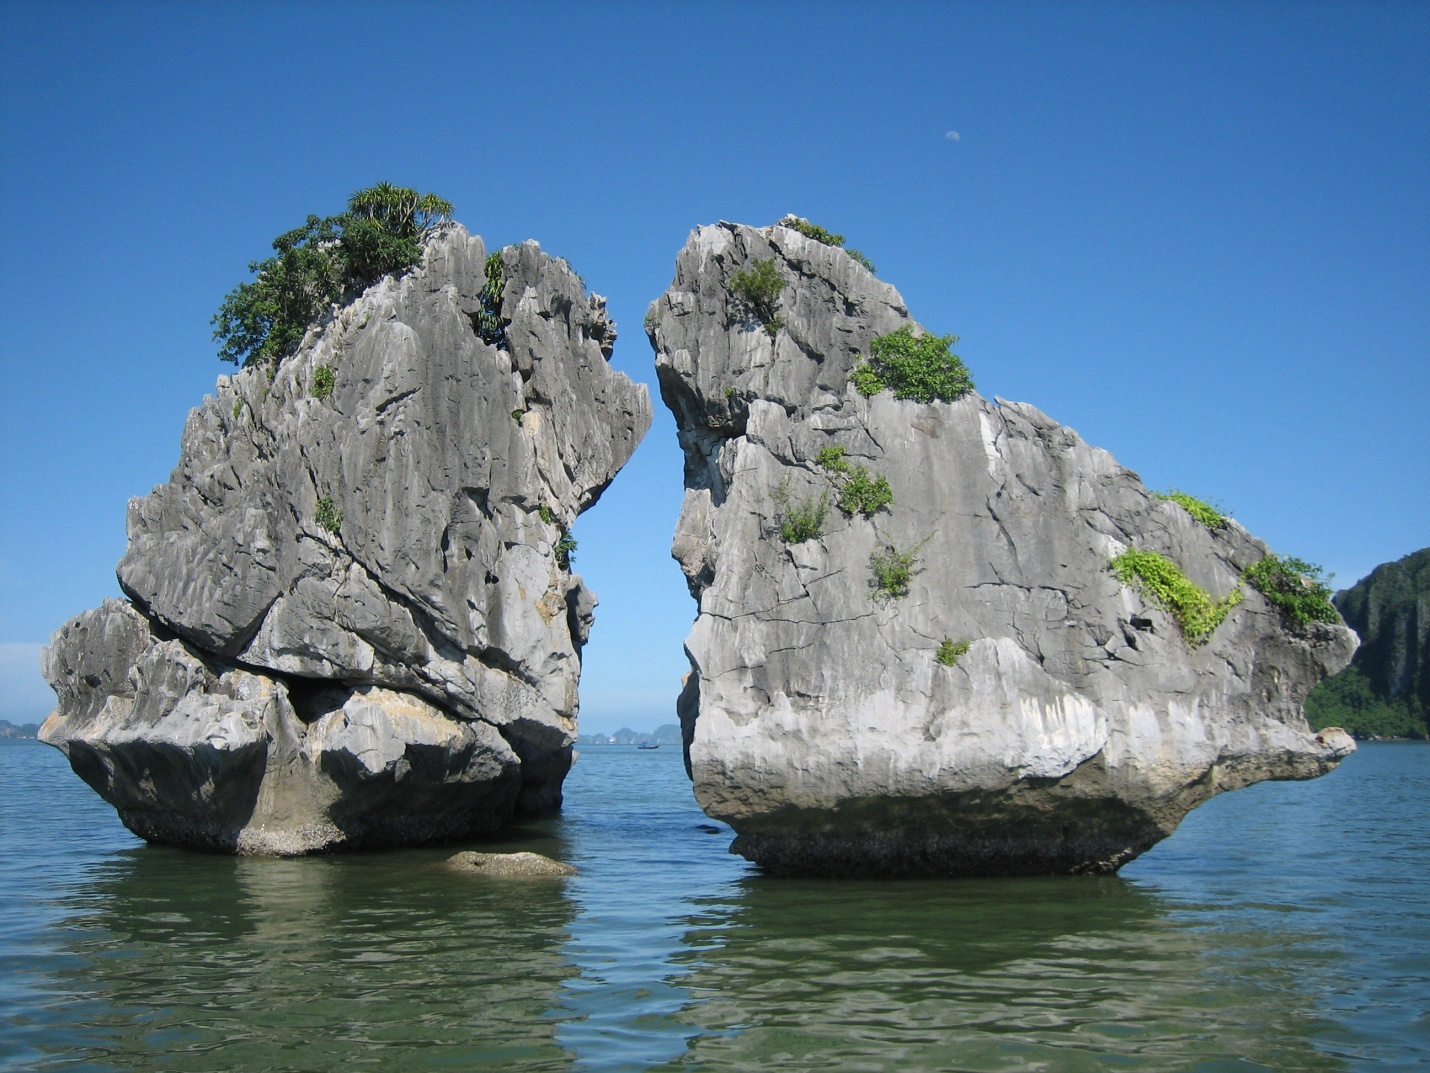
<point x="351" y="616"/>
<point x="1006" y="705"/>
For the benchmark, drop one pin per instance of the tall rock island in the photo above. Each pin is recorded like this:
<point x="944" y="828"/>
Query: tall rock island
<point x="351" y="619"/>
<point x="946" y="637"/>
<point x="1385" y="692"/>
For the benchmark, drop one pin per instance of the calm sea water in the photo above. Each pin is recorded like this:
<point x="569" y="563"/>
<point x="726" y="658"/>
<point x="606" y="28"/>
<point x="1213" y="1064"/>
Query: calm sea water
<point x="1284" y="927"/>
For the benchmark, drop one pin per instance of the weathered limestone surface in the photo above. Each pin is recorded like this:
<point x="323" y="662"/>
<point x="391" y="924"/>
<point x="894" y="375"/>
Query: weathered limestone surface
<point x="274" y="686"/>
<point x="1078" y="728"/>
<point x="509" y="865"/>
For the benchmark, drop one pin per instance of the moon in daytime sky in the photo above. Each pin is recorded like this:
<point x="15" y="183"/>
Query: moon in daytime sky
<point x="952" y="136"/>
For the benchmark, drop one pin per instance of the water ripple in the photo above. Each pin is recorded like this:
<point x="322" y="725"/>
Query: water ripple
<point x="1283" y="928"/>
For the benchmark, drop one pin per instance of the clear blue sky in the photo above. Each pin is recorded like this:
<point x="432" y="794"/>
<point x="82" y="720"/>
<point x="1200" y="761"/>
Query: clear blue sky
<point x="1198" y="233"/>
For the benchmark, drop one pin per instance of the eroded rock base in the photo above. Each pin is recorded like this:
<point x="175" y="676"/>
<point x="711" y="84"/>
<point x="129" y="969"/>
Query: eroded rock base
<point x="196" y="753"/>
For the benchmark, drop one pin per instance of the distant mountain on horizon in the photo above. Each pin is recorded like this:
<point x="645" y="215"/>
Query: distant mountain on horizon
<point x="668" y="734"/>
<point x="1385" y="692"/>
<point x="21" y="730"/>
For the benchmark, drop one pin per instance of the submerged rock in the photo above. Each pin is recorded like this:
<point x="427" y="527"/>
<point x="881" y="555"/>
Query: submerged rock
<point x="509" y="865"/>
<point x="351" y="618"/>
<point x="1017" y="709"/>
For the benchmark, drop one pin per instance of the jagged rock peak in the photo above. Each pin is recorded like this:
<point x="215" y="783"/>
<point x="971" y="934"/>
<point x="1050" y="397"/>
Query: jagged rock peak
<point x="954" y="681"/>
<point x="351" y="618"/>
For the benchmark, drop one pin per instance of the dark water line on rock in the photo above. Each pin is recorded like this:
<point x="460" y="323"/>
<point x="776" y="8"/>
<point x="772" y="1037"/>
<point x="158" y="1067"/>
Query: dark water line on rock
<point x="1284" y="927"/>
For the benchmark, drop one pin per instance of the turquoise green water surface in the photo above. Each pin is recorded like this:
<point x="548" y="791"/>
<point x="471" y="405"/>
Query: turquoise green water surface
<point x="1284" y="927"/>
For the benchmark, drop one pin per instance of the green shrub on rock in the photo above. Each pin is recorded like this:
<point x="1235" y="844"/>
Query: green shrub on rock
<point x="1300" y="590"/>
<point x="803" y="519"/>
<point x="894" y="569"/>
<point x="1196" y="612"/>
<point x="918" y="367"/>
<point x="320" y="263"/>
<point x="488" y="321"/>
<point x="759" y="287"/>
<point x="950" y="650"/>
<point x="566" y="551"/>
<point x="819" y="234"/>
<point x="322" y="383"/>
<point x="328" y="515"/>
<point x="862" y="492"/>
<point x="1199" y="509"/>
<point x="832" y="459"/>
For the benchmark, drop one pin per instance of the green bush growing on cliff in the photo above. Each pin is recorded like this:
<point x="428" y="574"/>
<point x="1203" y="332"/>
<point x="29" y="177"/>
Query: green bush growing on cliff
<point x="328" y="515"/>
<point x="894" y="569"/>
<point x="819" y="234"/>
<point x="323" y="382"/>
<point x="950" y="650"/>
<point x="832" y="459"/>
<point x="566" y="551"/>
<point x="1199" y="509"/>
<point x="319" y="263"/>
<point x="759" y="287"/>
<point x="918" y="367"/>
<point x="1196" y="612"/>
<point x="488" y="321"/>
<point x="800" y="519"/>
<point x="1299" y="590"/>
<point x="860" y="491"/>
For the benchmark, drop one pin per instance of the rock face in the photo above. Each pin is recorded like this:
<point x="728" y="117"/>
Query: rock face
<point x="1077" y="727"/>
<point x="352" y="620"/>
<point x="1386" y="689"/>
<point x="509" y="865"/>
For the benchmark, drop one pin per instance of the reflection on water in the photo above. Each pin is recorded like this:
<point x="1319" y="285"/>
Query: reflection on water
<point x="1284" y="928"/>
<point x="220" y="963"/>
<point x="1064" y="974"/>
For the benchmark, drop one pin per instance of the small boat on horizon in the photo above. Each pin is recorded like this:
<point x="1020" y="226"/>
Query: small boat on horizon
<point x="647" y="745"/>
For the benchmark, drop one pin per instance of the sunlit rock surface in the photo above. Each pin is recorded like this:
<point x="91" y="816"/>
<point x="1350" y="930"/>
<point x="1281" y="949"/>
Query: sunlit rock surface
<point x="1077" y="729"/>
<point x="351" y="621"/>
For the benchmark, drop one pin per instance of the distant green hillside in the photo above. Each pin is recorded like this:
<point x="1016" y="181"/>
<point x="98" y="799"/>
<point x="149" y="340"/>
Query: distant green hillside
<point x="1385" y="692"/>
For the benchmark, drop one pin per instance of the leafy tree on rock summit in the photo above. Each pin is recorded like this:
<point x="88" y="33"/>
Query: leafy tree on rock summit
<point x="319" y="263"/>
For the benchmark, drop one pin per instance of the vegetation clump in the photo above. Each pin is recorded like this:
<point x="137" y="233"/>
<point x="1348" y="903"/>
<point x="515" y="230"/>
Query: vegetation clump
<point x="319" y="263"/>
<point x="803" y="519"/>
<point x="1199" y="509"/>
<point x="328" y="515"/>
<point x="1196" y="612"/>
<point x="488" y="321"/>
<point x="759" y="289"/>
<point x="918" y="367"/>
<point x="860" y="491"/>
<point x="1351" y="701"/>
<point x="323" y="382"/>
<point x="566" y="551"/>
<point x="894" y="569"/>
<point x="950" y="650"/>
<point x="819" y="234"/>
<point x="1300" y="590"/>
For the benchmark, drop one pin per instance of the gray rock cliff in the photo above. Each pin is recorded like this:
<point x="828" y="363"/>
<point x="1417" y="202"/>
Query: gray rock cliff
<point x="1076" y="728"/>
<point x="351" y="617"/>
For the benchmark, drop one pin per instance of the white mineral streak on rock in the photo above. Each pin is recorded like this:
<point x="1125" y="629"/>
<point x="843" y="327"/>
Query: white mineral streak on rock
<point x="819" y="723"/>
<point x="275" y="687"/>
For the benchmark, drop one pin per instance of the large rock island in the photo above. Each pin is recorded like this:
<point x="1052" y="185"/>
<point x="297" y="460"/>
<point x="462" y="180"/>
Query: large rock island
<point x="945" y="637"/>
<point x="351" y="616"/>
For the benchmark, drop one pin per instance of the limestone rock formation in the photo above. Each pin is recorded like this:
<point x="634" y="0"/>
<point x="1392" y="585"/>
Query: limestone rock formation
<point x="1069" y="724"/>
<point x="351" y="615"/>
<point x="1385" y="692"/>
<point x="509" y="865"/>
